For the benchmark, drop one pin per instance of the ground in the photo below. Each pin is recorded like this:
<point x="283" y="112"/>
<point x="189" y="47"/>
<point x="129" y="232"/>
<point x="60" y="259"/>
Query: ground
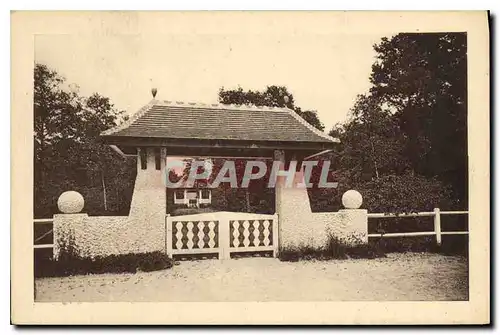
<point x="410" y="276"/>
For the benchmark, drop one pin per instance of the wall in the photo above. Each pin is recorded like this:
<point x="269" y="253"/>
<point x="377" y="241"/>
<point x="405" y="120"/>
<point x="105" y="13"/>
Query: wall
<point x="351" y="225"/>
<point x="106" y="235"/>
<point x="142" y="231"/>
<point x="300" y="226"/>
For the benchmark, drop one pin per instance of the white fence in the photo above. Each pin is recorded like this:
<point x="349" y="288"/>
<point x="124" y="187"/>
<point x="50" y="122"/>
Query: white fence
<point x="39" y="238"/>
<point x="225" y="233"/>
<point x="222" y="233"/>
<point x="437" y="224"/>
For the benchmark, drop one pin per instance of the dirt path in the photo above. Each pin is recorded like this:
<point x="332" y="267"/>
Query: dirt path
<point x="410" y="276"/>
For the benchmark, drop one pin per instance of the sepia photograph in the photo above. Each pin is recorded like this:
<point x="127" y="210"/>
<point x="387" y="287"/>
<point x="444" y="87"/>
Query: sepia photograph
<point x="183" y="164"/>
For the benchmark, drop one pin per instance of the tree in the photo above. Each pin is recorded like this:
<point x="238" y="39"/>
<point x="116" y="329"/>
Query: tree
<point x="397" y="141"/>
<point x="371" y="141"/>
<point x="257" y="196"/>
<point x="272" y="96"/>
<point x="372" y="160"/>
<point x="422" y="78"/>
<point x="68" y="153"/>
<point x="52" y="107"/>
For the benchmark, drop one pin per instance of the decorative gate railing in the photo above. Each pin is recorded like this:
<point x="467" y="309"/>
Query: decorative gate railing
<point x="223" y="233"/>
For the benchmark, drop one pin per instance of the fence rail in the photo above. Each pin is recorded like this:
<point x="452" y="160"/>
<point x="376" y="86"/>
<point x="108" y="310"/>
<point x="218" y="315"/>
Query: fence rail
<point x="437" y="224"/>
<point x="233" y="234"/>
<point x="47" y="233"/>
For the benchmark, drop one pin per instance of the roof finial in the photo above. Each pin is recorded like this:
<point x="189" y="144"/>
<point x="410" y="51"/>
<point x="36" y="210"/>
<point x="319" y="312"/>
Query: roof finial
<point x="153" y="92"/>
<point x="286" y="98"/>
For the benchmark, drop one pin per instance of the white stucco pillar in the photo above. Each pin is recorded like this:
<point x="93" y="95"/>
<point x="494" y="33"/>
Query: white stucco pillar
<point x="296" y="225"/>
<point x="354" y="221"/>
<point x="65" y="229"/>
<point x="151" y="159"/>
<point x="279" y="156"/>
<point x="354" y="225"/>
<point x="149" y="204"/>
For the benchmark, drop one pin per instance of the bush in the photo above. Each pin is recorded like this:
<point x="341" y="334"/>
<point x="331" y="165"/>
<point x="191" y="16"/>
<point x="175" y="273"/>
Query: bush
<point x="302" y="252"/>
<point x="455" y="245"/>
<point x="409" y="192"/>
<point x="335" y="248"/>
<point x="189" y="211"/>
<point x="407" y="243"/>
<point x="69" y="265"/>
<point x="154" y="261"/>
<point x="451" y="244"/>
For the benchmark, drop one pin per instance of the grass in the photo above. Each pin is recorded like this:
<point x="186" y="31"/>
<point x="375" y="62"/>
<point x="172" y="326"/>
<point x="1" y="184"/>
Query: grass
<point x="335" y="248"/>
<point x="451" y="244"/>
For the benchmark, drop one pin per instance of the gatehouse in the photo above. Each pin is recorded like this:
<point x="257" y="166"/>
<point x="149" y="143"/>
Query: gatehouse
<point x="164" y="128"/>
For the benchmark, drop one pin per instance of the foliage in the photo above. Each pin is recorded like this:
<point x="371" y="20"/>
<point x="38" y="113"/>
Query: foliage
<point x="451" y="244"/>
<point x="372" y="142"/>
<point x="341" y="248"/>
<point x="261" y="197"/>
<point x="68" y="250"/>
<point x="189" y="211"/>
<point x="71" y="265"/>
<point x="404" y="146"/>
<point x="372" y="161"/>
<point x="256" y="198"/>
<point x="335" y="248"/>
<point x="408" y="192"/>
<point x="272" y="96"/>
<point x="68" y="154"/>
<point x="423" y="79"/>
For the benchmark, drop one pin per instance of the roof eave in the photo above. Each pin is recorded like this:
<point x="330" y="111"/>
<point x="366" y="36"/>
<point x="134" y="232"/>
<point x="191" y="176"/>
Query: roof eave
<point x="166" y="141"/>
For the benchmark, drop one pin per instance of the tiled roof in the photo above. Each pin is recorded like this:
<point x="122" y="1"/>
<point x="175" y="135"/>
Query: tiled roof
<point x="165" y="119"/>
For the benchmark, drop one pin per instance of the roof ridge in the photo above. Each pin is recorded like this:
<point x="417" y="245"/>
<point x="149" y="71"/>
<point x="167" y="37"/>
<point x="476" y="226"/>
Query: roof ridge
<point x="311" y="127"/>
<point x="245" y="107"/>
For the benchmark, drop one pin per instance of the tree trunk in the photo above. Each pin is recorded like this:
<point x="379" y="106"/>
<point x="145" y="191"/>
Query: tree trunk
<point x="374" y="159"/>
<point x="412" y="132"/>
<point x="104" y="191"/>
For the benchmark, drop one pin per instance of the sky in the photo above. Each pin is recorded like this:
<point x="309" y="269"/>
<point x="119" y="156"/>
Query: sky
<point x="324" y="72"/>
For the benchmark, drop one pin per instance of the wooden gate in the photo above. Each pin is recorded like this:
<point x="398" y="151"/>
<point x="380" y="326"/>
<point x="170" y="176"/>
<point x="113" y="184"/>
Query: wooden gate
<point x="223" y="233"/>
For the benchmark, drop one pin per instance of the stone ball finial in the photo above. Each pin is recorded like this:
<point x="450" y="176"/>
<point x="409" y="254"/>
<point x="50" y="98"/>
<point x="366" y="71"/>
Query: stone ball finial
<point x="352" y="199"/>
<point x="70" y="202"/>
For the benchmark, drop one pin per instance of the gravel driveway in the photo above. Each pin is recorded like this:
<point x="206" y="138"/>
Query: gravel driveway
<point x="409" y="276"/>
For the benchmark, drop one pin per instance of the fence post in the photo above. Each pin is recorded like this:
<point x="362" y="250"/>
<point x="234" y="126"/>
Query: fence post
<point x="168" y="232"/>
<point x="224" y="252"/>
<point x="437" y="225"/>
<point x="275" y="235"/>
